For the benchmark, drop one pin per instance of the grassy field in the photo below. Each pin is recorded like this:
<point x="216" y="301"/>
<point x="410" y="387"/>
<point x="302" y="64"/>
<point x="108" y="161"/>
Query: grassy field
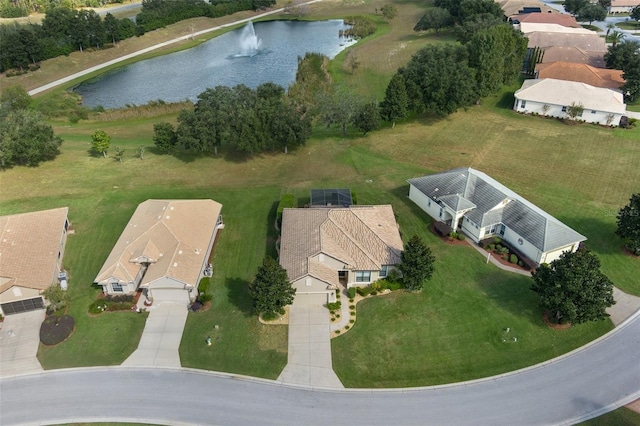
<point x="620" y="417"/>
<point x="581" y="174"/>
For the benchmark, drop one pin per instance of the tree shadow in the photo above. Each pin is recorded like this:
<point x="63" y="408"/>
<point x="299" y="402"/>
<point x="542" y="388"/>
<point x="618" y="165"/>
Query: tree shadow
<point x="238" y="294"/>
<point x="272" y="232"/>
<point x="506" y="101"/>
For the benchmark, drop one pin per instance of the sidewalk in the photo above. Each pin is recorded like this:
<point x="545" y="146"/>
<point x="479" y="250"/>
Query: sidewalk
<point x="495" y="262"/>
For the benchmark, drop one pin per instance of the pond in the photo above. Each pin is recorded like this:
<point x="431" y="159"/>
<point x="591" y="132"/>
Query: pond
<point x="252" y="55"/>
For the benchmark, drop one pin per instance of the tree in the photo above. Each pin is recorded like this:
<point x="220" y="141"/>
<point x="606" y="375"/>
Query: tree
<point x="622" y="55"/>
<point x="353" y="62"/>
<point x="616" y="37"/>
<point x="606" y="4"/>
<point x="389" y="11"/>
<point x="439" y="79"/>
<point x="396" y="101"/>
<point x="367" y="117"/>
<point x="575" y="110"/>
<point x="14" y="98"/>
<point x="628" y="221"/>
<point x="631" y="87"/>
<point x="610" y="26"/>
<point x="497" y="54"/>
<point x="465" y="30"/>
<point x="573" y="6"/>
<point x="100" y="142"/>
<point x="635" y="14"/>
<point x="119" y="153"/>
<point x="164" y="136"/>
<point x="416" y="264"/>
<point x="434" y="18"/>
<point x="56" y="296"/>
<point x="25" y="139"/>
<point x="470" y="8"/>
<point x="271" y="290"/>
<point x="591" y="12"/>
<point x="573" y="289"/>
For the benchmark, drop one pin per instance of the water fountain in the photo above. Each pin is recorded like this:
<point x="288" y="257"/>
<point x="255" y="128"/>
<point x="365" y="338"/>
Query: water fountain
<point x="249" y="42"/>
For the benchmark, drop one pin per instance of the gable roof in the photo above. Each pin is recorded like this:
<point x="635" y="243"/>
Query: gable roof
<point x="598" y="77"/>
<point x="546" y="27"/>
<point x="586" y="42"/>
<point x="625" y="3"/>
<point x="561" y="92"/>
<point x="173" y="236"/>
<point x="548" y="18"/>
<point x="496" y="203"/>
<point x="573" y="54"/>
<point x="361" y="237"/>
<point x="29" y="247"/>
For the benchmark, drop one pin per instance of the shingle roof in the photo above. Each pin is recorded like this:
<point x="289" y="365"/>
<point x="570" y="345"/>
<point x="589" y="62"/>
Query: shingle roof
<point x="549" y="18"/>
<point x="29" y="247"/>
<point x="573" y="54"/>
<point x="586" y="42"/>
<point x="173" y="235"/>
<point x="597" y="77"/>
<point x="561" y="92"/>
<point x="496" y="203"/>
<point x="361" y="237"/>
<point x="547" y="27"/>
<point x="625" y="3"/>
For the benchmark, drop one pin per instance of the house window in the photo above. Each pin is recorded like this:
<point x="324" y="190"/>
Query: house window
<point x="440" y="213"/>
<point x="502" y="230"/>
<point x="363" y="276"/>
<point x="429" y="203"/>
<point x="520" y="241"/>
<point x="383" y="271"/>
<point x="564" y="109"/>
<point x="593" y="111"/>
<point x="523" y="104"/>
<point x="116" y="287"/>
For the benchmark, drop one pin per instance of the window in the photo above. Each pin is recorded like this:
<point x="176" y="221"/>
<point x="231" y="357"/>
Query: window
<point x="440" y="212"/>
<point x="593" y="111"/>
<point x="363" y="276"/>
<point x="523" y="104"/>
<point x="429" y="203"/>
<point x="564" y="109"/>
<point x="520" y="241"/>
<point x="383" y="271"/>
<point x="116" y="287"/>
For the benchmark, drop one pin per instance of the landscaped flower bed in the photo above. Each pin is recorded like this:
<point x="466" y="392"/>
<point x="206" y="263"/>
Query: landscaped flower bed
<point x="56" y="329"/>
<point x="112" y="303"/>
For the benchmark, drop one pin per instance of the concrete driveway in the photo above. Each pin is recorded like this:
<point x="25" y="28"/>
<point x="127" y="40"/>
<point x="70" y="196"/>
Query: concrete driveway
<point x="309" y="358"/>
<point x="161" y="337"/>
<point x="19" y="341"/>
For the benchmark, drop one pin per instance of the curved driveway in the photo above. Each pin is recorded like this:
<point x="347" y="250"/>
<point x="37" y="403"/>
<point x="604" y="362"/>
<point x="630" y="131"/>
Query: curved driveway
<point x="582" y="384"/>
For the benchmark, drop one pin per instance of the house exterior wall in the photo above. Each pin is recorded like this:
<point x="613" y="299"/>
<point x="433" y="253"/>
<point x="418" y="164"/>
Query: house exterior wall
<point x="429" y="206"/>
<point x="219" y="226"/>
<point x="589" y="115"/>
<point x="16" y="293"/>
<point x="329" y="261"/>
<point x="127" y="288"/>
<point x="526" y="247"/>
<point x="550" y="256"/>
<point x="469" y="228"/>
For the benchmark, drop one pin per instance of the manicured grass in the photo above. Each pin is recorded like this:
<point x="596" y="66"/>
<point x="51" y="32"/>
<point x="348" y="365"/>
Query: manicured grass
<point x="628" y="25"/>
<point x="620" y="417"/>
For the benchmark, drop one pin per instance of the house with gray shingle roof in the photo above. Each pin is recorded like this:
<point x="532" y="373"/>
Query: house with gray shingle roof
<point x="324" y="248"/>
<point x="163" y="251"/>
<point x="490" y="209"/>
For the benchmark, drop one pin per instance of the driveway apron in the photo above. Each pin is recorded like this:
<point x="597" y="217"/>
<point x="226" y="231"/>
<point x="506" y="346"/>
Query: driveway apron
<point x="161" y="337"/>
<point x="19" y="341"/>
<point x="309" y="358"/>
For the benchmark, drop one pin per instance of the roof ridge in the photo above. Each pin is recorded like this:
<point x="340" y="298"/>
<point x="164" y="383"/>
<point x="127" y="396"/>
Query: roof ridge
<point x="353" y="240"/>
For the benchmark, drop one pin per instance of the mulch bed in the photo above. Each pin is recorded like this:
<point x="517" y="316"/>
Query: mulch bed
<point x="626" y="252"/>
<point x="499" y="258"/>
<point x="447" y="240"/>
<point x="553" y="325"/>
<point x="201" y="307"/>
<point x="55" y="330"/>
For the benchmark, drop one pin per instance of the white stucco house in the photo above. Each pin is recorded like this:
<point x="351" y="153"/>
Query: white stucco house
<point x="163" y="251"/>
<point x="31" y="252"/>
<point x="325" y="248"/>
<point x="623" y="6"/>
<point x="481" y="207"/>
<point x="551" y="97"/>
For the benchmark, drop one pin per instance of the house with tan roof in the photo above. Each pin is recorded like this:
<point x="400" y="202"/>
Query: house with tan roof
<point x="585" y="42"/>
<point x="573" y="54"/>
<point x="623" y="6"/>
<point x="551" y="98"/>
<point x="325" y="248"/>
<point x="545" y="18"/>
<point x="597" y="77"/>
<point x="530" y="27"/>
<point x="517" y="7"/>
<point x="474" y="203"/>
<point x="163" y="251"/>
<point x="31" y="252"/>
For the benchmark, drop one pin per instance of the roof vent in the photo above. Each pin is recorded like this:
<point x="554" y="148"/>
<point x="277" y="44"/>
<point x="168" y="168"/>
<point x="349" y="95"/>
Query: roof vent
<point x="175" y="264"/>
<point x="197" y="251"/>
<point x="179" y="251"/>
<point x="167" y="217"/>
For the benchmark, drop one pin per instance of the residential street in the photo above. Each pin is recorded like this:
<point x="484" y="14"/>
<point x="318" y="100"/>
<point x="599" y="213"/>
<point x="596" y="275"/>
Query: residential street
<point x="584" y="384"/>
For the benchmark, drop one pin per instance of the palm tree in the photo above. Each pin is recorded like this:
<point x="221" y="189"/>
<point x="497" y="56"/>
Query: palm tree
<point x="616" y="37"/>
<point x="610" y="26"/>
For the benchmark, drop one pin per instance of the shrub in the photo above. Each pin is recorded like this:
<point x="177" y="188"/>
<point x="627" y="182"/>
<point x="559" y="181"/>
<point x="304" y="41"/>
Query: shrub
<point x="498" y="247"/>
<point x="269" y="316"/>
<point x="112" y="303"/>
<point x="337" y="331"/>
<point x="352" y="321"/>
<point x="461" y="236"/>
<point x="346" y="327"/>
<point x="287" y="201"/>
<point x="513" y="258"/>
<point x="333" y="306"/>
<point x="497" y="240"/>
<point x="333" y="319"/>
<point x="521" y="263"/>
<point x="352" y="307"/>
<point x="56" y="329"/>
<point x="203" y="286"/>
<point x="350" y="300"/>
<point x="352" y="293"/>
<point x="504" y="250"/>
<point x="364" y="291"/>
<point x="373" y="293"/>
<point x="491" y="247"/>
<point x="453" y="234"/>
<point x="204" y="298"/>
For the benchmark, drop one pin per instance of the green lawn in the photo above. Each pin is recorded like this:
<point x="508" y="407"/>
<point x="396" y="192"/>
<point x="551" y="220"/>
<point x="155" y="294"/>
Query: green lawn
<point x="620" y="417"/>
<point x="582" y="174"/>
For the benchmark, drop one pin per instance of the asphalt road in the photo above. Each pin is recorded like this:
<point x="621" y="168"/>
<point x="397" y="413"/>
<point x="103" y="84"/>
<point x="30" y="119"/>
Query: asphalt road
<point x="583" y="384"/>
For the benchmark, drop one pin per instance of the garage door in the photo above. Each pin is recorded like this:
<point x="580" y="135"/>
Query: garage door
<point x="170" y="295"/>
<point x="311" y="299"/>
<point x="23" y="306"/>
